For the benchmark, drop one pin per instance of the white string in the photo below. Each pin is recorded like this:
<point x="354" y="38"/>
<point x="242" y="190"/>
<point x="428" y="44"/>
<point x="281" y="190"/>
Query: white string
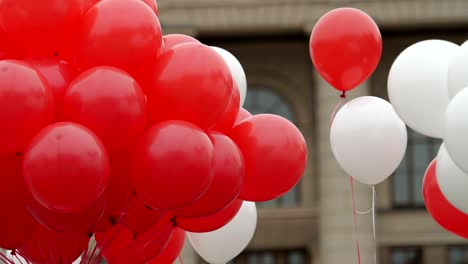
<point x="372" y="210"/>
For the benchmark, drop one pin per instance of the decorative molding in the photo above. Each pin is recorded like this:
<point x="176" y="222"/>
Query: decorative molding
<point x="244" y="17"/>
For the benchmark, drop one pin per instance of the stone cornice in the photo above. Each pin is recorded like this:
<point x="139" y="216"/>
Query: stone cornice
<point x="228" y="17"/>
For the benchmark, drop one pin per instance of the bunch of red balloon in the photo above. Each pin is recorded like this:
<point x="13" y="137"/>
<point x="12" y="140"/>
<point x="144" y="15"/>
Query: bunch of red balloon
<point x="108" y="129"/>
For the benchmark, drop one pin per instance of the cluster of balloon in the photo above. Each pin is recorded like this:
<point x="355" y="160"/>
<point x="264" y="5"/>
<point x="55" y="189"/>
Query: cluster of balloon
<point x="367" y="137"/>
<point x="443" y="84"/>
<point x="108" y="129"/>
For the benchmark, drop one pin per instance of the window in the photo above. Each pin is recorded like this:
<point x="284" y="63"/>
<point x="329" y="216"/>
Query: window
<point x="458" y="255"/>
<point x="407" y="180"/>
<point x="406" y="256"/>
<point x="273" y="257"/>
<point x="259" y="101"/>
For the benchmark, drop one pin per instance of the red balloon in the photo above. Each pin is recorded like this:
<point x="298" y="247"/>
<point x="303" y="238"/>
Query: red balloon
<point x="87" y="4"/>
<point x="26" y="104"/>
<point x="443" y="212"/>
<point x="275" y="155"/>
<point x="109" y="38"/>
<point x="172" y="165"/>
<point x="8" y="50"/>
<point x="242" y="115"/>
<point x="229" y="172"/>
<point x="119" y="245"/>
<point x="227" y="120"/>
<point x="47" y="246"/>
<point x="41" y="26"/>
<point x="16" y="224"/>
<point x="66" y="167"/>
<point x="153" y="5"/>
<point x="58" y="74"/>
<point x="212" y="222"/>
<point x="173" y="40"/>
<point x="118" y="193"/>
<point x="173" y="249"/>
<point x="110" y="102"/>
<point x="139" y="217"/>
<point x="80" y="223"/>
<point x="345" y="47"/>
<point x="198" y="92"/>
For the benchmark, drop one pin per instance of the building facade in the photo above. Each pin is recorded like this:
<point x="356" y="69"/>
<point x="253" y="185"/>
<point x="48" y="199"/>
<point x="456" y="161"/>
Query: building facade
<point x="314" y="222"/>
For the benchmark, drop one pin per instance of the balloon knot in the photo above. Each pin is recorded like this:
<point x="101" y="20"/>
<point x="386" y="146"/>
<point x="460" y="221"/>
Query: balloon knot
<point x="13" y="252"/>
<point x="112" y="220"/>
<point x="148" y="208"/>
<point x="134" y="236"/>
<point x="173" y="220"/>
<point x="343" y="95"/>
<point x="55" y="54"/>
<point x="18" y="154"/>
<point x="90" y="234"/>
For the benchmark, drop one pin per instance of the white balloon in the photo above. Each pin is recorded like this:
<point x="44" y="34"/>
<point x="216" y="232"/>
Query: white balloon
<point x="452" y="180"/>
<point x="237" y="72"/>
<point x="224" y="244"/>
<point x="368" y="139"/>
<point x="417" y="85"/>
<point x="456" y="130"/>
<point x="458" y="71"/>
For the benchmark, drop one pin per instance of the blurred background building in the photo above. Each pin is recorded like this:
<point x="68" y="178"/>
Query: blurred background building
<point x="314" y="222"/>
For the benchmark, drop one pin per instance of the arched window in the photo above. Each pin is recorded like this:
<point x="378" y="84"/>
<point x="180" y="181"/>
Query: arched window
<point x="261" y="100"/>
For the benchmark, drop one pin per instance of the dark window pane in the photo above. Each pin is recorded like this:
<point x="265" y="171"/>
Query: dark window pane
<point x="408" y="178"/>
<point x="406" y="256"/>
<point x="458" y="255"/>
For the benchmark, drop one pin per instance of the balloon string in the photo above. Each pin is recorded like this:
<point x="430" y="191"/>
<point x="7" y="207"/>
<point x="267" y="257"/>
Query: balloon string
<point x="180" y="260"/>
<point x="335" y="110"/>
<point x="355" y="219"/>
<point x="374" y="198"/>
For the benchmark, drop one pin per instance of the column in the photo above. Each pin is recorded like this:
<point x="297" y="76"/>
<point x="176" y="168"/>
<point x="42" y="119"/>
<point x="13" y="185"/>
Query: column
<point x="337" y="233"/>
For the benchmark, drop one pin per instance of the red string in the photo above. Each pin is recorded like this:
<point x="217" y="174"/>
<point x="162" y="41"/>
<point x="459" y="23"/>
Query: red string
<point x="355" y="218"/>
<point x="180" y="260"/>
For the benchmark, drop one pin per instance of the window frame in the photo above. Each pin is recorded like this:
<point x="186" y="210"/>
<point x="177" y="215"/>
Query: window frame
<point x="418" y="249"/>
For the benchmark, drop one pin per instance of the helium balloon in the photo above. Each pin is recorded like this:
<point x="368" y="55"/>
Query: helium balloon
<point x="173" y="40"/>
<point x="43" y="26"/>
<point x="275" y="155"/>
<point x="9" y="50"/>
<point x="197" y="92"/>
<point x="58" y="75"/>
<point x="443" y="212"/>
<point x="172" y="165"/>
<point x="212" y="246"/>
<point x="16" y="223"/>
<point x="238" y="74"/>
<point x="119" y="245"/>
<point x="80" y="223"/>
<point x="104" y="27"/>
<point x="229" y="172"/>
<point x="212" y="222"/>
<point x="452" y="180"/>
<point x="417" y="85"/>
<point x="66" y="167"/>
<point x="456" y="129"/>
<point x="457" y="79"/>
<point x="47" y="246"/>
<point x="345" y="47"/>
<point x="243" y="114"/>
<point x="139" y="217"/>
<point x="227" y="120"/>
<point x="368" y="139"/>
<point x="173" y="248"/>
<point x="110" y="102"/>
<point x="26" y="104"/>
<point x="151" y="3"/>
